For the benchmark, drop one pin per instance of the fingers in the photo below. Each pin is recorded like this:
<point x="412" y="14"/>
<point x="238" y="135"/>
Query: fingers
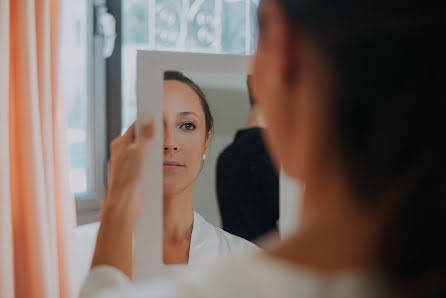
<point x="128" y="141"/>
<point x="125" y="139"/>
<point x="129" y="135"/>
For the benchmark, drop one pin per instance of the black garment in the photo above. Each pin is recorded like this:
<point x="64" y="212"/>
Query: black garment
<point x="247" y="187"/>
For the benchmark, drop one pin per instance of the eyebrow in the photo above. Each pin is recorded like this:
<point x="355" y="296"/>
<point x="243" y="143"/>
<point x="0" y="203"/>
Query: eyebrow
<point x="188" y="114"/>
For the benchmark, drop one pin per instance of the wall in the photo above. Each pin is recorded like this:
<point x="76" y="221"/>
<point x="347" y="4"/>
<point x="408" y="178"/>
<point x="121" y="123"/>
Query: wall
<point x="231" y="110"/>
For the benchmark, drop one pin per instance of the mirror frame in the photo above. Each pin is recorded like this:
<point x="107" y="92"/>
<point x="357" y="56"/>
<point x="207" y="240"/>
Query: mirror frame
<point x="151" y="65"/>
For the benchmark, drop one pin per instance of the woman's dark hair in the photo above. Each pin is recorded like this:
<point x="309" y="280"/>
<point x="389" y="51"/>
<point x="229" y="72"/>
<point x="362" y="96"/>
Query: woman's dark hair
<point x="389" y="107"/>
<point x="171" y="75"/>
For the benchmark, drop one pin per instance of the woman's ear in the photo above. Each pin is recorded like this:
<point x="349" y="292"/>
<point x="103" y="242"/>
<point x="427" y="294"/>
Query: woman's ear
<point x="283" y="47"/>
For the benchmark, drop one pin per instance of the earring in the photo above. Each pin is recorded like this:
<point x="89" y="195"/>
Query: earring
<point x="204" y="156"/>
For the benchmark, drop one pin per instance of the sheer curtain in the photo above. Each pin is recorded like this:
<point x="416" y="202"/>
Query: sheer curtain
<point x="37" y="211"/>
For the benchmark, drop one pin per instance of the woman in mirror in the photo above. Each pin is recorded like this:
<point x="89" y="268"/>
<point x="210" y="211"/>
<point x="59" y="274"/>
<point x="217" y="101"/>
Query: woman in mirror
<point x="354" y="97"/>
<point x="188" y="126"/>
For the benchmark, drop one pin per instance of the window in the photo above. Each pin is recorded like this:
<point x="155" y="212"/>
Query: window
<point x="83" y="69"/>
<point x="212" y="26"/>
<point x="100" y="90"/>
<point x="74" y="45"/>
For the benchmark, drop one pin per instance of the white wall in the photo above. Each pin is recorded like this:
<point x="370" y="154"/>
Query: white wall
<point x="230" y="109"/>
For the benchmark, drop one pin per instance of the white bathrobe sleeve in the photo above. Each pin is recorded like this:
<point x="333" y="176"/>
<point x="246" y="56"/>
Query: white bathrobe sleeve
<point x="105" y="279"/>
<point x="259" y="277"/>
<point x="109" y="282"/>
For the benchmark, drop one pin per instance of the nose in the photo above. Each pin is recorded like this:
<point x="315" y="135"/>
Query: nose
<point x="168" y="148"/>
<point x="170" y="144"/>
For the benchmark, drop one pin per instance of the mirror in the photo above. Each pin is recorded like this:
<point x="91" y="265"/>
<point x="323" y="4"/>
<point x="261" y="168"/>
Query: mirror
<point x="202" y="113"/>
<point x="182" y="163"/>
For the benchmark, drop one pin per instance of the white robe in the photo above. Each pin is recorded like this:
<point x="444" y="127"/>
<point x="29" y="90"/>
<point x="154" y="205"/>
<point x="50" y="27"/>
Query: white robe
<point x="258" y="277"/>
<point x="210" y="242"/>
<point x="248" y="277"/>
<point x="207" y="242"/>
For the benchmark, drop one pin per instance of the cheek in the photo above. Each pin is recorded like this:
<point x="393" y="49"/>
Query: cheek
<point x="261" y="85"/>
<point x="192" y="147"/>
<point x="288" y="137"/>
<point x="282" y="118"/>
<point x="269" y="103"/>
<point x="277" y="134"/>
<point x="191" y="154"/>
<point x="258" y="78"/>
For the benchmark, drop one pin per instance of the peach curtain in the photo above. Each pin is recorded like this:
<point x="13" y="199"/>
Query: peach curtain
<point x="37" y="216"/>
<point x="6" y="246"/>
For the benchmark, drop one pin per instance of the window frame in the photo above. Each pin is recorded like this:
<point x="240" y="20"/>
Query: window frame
<point x="104" y="88"/>
<point x="88" y="205"/>
<point x="114" y="79"/>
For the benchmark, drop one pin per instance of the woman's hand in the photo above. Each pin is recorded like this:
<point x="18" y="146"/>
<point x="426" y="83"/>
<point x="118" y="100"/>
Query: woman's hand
<point x="123" y="202"/>
<point x="126" y="165"/>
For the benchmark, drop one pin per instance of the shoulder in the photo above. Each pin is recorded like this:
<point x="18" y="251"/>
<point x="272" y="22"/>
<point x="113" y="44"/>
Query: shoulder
<point x="210" y="241"/>
<point x="237" y="245"/>
<point x="250" y="277"/>
<point x="261" y="276"/>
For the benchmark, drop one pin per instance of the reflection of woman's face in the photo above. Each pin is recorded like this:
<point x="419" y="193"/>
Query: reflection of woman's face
<point x="185" y="136"/>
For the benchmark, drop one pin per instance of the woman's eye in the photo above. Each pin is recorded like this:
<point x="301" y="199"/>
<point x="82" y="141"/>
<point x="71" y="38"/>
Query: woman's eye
<point x="188" y="126"/>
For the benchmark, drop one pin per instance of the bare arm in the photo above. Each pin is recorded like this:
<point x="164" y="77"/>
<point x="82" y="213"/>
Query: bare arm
<point x="123" y="202"/>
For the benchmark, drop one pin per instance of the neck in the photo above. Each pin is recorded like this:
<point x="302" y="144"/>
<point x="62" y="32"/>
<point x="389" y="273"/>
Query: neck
<point x="178" y="216"/>
<point x="335" y="232"/>
<point x="255" y="119"/>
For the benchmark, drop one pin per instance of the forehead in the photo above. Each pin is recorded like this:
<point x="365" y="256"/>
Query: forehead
<point x="179" y="97"/>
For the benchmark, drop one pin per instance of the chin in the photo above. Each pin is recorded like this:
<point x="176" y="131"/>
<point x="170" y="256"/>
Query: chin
<point x="169" y="188"/>
<point x="172" y="187"/>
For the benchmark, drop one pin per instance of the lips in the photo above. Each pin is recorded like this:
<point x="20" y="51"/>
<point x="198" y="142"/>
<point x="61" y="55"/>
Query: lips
<point x="172" y="164"/>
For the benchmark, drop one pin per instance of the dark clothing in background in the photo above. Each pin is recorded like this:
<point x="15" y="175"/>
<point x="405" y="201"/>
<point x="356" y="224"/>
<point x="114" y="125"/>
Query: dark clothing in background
<point x="247" y="187"/>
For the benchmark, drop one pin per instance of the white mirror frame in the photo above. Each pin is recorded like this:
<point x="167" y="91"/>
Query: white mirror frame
<point x="151" y="65"/>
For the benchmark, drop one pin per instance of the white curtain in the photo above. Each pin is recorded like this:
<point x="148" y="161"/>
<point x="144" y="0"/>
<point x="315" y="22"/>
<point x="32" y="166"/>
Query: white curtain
<point x="6" y="245"/>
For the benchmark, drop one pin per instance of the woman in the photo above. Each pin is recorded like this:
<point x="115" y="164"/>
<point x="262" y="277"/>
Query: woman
<point x="353" y="93"/>
<point x="188" y="125"/>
